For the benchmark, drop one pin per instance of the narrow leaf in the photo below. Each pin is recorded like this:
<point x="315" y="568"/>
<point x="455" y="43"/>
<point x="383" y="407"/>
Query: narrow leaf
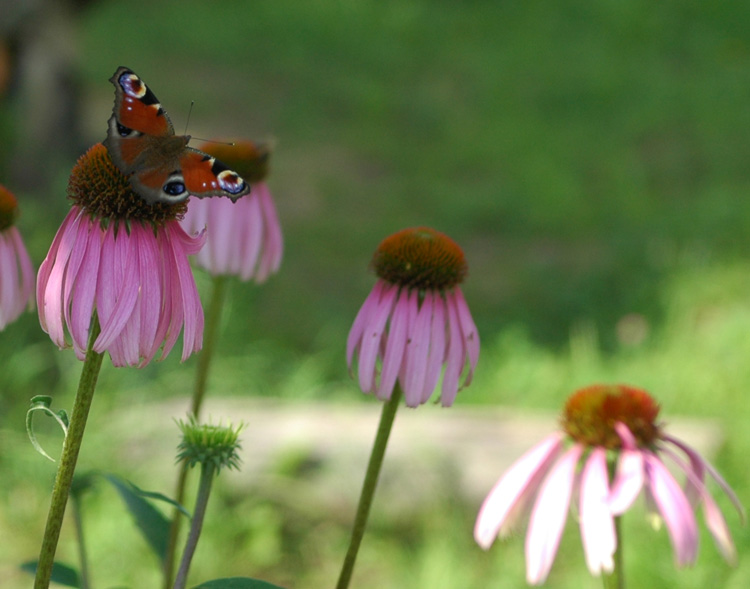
<point x="62" y="574"/>
<point x="159" y="497"/>
<point x="150" y="521"/>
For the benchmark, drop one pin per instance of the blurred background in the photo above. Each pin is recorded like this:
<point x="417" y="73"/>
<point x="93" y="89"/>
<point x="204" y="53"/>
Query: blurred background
<point x="590" y="158"/>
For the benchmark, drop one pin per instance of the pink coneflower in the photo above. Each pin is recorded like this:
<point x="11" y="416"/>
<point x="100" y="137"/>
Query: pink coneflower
<point x="243" y="237"/>
<point x="16" y="271"/>
<point x="125" y="260"/>
<point x="416" y="320"/>
<point x="602" y="421"/>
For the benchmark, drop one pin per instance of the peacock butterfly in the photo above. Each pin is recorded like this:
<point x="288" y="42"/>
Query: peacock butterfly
<point x="161" y="167"/>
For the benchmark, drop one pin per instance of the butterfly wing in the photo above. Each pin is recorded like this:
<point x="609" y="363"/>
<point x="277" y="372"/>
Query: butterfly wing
<point x="136" y="124"/>
<point x="161" y="168"/>
<point x="204" y="176"/>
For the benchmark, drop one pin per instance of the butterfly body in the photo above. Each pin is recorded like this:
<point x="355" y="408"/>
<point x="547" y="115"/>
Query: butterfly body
<point x="159" y="164"/>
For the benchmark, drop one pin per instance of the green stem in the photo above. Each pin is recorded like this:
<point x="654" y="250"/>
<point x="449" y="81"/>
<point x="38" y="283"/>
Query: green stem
<point x="71" y="447"/>
<point x="616" y="579"/>
<point x="174" y="530"/>
<point x="213" y="318"/>
<point x="76" y="507"/>
<point x="204" y="490"/>
<point x="369" y="485"/>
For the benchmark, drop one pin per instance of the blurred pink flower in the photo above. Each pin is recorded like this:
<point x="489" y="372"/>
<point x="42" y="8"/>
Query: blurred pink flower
<point x="601" y="418"/>
<point x="133" y="271"/>
<point x="643" y="468"/>
<point x="415" y="321"/>
<point x="243" y="238"/>
<point x="16" y="270"/>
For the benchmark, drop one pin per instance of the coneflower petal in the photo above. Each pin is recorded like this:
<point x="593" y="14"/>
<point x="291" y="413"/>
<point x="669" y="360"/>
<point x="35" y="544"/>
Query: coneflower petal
<point x="597" y="525"/>
<point x="417" y="349"/>
<point x="675" y="508"/>
<point x="548" y="516"/>
<point x="515" y="490"/>
<point x="395" y="344"/>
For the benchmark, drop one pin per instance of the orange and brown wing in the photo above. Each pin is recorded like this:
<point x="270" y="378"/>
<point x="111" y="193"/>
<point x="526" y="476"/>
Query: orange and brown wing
<point x="137" y="114"/>
<point x="204" y="176"/>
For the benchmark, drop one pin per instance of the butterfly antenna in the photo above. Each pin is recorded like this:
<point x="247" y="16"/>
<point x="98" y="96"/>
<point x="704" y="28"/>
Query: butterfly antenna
<point x="190" y="112"/>
<point x="213" y="141"/>
<point x="187" y="124"/>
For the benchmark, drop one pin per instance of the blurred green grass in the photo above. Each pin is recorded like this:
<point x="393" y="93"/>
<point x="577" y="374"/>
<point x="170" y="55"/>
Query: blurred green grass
<point x="575" y="151"/>
<point x="591" y="158"/>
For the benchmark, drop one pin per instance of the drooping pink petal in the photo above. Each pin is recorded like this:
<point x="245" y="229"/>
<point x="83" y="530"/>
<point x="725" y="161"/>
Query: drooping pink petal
<point x="244" y="237"/>
<point x="393" y="356"/>
<point x="455" y="355"/>
<point x="82" y="304"/>
<point x="188" y="244"/>
<point x="149" y="298"/>
<point x="548" y="516"/>
<point x="46" y="267"/>
<point x="130" y="272"/>
<point x="712" y="514"/>
<point x="628" y="481"/>
<point x="372" y="336"/>
<point x="436" y="356"/>
<point x="192" y="331"/>
<point x="597" y="525"/>
<point x="51" y="291"/>
<point x="362" y="320"/>
<point x="417" y="350"/>
<point x="426" y="335"/>
<point x="25" y="266"/>
<point x="692" y="492"/>
<point x="8" y="281"/>
<point x="717" y="525"/>
<point x="136" y="278"/>
<point x="170" y="319"/>
<point x="469" y="333"/>
<point x="215" y="256"/>
<point x="674" y="507"/>
<point x="273" y="247"/>
<point x="695" y="460"/>
<point x="78" y="254"/>
<point x="248" y="229"/>
<point x="174" y="293"/>
<point x="195" y="219"/>
<point x="16" y="276"/>
<point x="514" y="492"/>
<point x="629" y="477"/>
<point x="118" y="293"/>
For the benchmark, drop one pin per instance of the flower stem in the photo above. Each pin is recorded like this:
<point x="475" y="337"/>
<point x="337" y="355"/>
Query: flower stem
<point x="213" y="318"/>
<point x="71" y="447"/>
<point x="616" y="579"/>
<point x="204" y="490"/>
<point x="75" y="501"/>
<point x="369" y="485"/>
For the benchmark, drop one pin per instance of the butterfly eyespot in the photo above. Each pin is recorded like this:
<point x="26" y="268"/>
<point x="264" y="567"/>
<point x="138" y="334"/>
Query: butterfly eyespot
<point x="132" y="85"/>
<point x="231" y="182"/>
<point x="174" y="188"/>
<point x="123" y="130"/>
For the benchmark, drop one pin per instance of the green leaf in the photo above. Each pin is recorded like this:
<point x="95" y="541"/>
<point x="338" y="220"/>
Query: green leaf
<point x="160" y="497"/>
<point x="237" y="583"/>
<point x="62" y="574"/>
<point x="43" y="403"/>
<point x="149" y="520"/>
